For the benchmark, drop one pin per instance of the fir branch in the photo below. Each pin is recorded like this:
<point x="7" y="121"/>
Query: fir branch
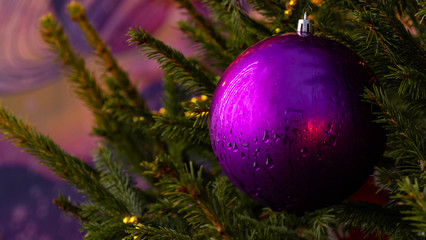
<point x="96" y="231"/>
<point x="269" y="8"/>
<point x="181" y="128"/>
<point x="186" y="72"/>
<point x="222" y="57"/>
<point x="413" y="82"/>
<point x="422" y="11"/>
<point x="87" y="88"/>
<point x="67" y="206"/>
<point x="42" y="147"/>
<point x="119" y="183"/>
<point x="193" y="199"/>
<point x="320" y="221"/>
<point x="119" y="83"/>
<point x="172" y="97"/>
<point x="107" y="126"/>
<point x="156" y="233"/>
<point x="373" y="219"/>
<point x="407" y="141"/>
<point x="243" y="28"/>
<point x="412" y="196"/>
<point x="73" y="170"/>
<point x="399" y="45"/>
<point x="164" y="214"/>
<point x="206" y="25"/>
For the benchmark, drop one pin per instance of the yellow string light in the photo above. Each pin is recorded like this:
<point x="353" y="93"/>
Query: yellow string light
<point x="194" y="99"/>
<point x="125" y="220"/>
<point x="162" y="111"/>
<point x="132" y="219"/>
<point x="291" y="3"/>
<point x="203" y="97"/>
<point x="277" y="30"/>
<point x="287" y="12"/>
<point x="136" y="119"/>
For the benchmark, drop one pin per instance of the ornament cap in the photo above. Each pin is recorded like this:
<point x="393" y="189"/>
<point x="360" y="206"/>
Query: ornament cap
<point x="305" y="27"/>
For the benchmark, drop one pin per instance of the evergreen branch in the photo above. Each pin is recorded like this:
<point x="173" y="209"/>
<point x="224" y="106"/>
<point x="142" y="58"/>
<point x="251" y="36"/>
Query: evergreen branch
<point x="412" y="196"/>
<point x="119" y="183"/>
<point x="207" y="27"/>
<point x="372" y="218"/>
<point x="407" y="141"/>
<point x="164" y="214"/>
<point x="73" y="170"/>
<point x="156" y="233"/>
<point x="276" y="225"/>
<point x="186" y="72"/>
<point x="95" y="213"/>
<point x="119" y="82"/>
<point x="422" y="12"/>
<point x="320" y="221"/>
<point x="92" y="94"/>
<point x="96" y="231"/>
<point x="191" y="197"/>
<point x="243" y="28"/>
<point x="268" y="8"/>
<point x="182" y="128"/>
<point x="413" y="82"/>
<point x="87" y="88"/>
<point x="398" y="44"/>
<point x="221" y="55"/>
<point x="42" y="147"/>
<point x="172" y="97"/>
<point x="67" y="206"/>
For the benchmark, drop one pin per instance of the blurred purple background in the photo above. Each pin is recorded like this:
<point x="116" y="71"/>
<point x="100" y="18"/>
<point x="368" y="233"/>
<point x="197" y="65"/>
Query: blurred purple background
<point x="34" y="87"/>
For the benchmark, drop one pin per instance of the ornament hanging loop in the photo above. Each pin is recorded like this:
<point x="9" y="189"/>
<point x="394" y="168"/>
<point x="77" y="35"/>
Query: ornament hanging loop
<point x="305" y="27"/>
<point x="307" y="5"/>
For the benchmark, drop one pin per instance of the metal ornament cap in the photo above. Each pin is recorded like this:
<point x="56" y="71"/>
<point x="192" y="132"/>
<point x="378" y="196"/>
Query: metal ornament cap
<point x="288" y="126"/>
<point x="305" y="27"/>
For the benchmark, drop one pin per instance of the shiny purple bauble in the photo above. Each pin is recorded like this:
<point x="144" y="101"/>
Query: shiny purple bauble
<point x="288" y="126"/>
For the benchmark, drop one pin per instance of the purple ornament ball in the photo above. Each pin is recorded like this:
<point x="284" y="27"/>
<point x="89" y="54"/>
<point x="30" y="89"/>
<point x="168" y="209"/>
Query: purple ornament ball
<point x="288" y="126"/>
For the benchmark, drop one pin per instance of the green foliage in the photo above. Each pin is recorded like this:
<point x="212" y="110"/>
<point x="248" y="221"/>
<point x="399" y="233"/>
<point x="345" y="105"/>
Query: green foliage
<point x="374" y="219"/>
<point x="117" y="81"/>
<point x="413" y="196"/>
<point x="185" y="196"/>
<point x="185" y="71"/>
<point x="245" y="30"/>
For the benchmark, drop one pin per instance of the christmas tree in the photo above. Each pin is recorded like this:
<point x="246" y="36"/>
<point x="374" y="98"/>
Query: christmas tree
<point x="187" y="196"/>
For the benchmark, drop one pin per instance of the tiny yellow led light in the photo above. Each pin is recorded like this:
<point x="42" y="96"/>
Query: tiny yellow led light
<point x="277" y="30"/>
<point x="286" y="12"/>
<point x="291" y="3"/>
<point x="194" y="99"/>
<point x="203" y="97"/>
<point x="162" y="111"/>
<point x="125" y="220"/>
<point x="141" y="118"/>
<point x="135" y="119"/>
<point x="135" y="237"/>
<point x="132" y="219"/>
